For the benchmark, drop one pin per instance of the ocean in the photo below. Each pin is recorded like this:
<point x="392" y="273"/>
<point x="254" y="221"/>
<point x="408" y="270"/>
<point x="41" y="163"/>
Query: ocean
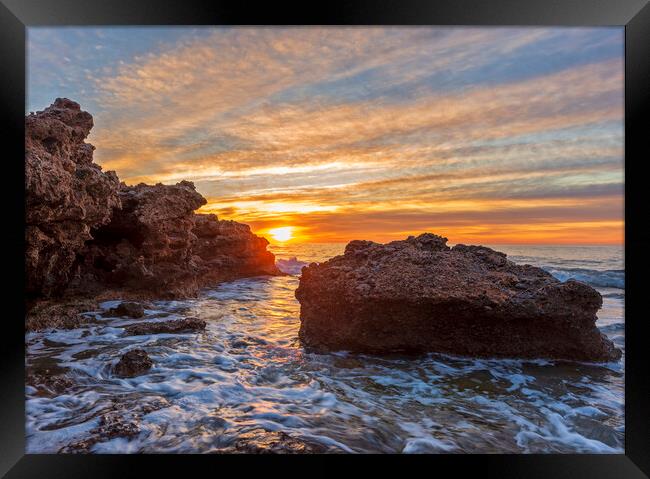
<point x="247" y="371"/>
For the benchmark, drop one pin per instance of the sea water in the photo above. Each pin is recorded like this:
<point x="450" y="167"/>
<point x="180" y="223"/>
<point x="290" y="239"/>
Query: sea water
<point x="247" y="371"/>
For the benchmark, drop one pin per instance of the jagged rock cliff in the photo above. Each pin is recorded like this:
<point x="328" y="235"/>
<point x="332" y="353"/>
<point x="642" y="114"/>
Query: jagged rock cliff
<point x="419" y="295"/>
<point x="87" y="232"/>
<point x="66" y="194"/>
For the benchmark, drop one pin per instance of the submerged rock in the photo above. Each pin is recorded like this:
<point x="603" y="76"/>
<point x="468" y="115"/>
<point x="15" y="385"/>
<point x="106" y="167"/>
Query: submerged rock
<point x="419" y="295"/>
<point x="122" y="420"/>
<point x="133" y="363"/>
<point x="127" y="309"/>
<point x="260" y="441"/>
<point x="49" y="384"/>
<point x="169" y="327"/>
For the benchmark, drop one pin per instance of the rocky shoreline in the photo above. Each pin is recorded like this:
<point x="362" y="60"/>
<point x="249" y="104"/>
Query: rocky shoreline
<point x="91" y="238"/>
<point x="419" y="295"/>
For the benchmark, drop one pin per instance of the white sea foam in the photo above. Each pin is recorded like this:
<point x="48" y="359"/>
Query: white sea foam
<point x="247" y="371"/>
<point x="291" y="266"/>
<point x="605" y="279"/>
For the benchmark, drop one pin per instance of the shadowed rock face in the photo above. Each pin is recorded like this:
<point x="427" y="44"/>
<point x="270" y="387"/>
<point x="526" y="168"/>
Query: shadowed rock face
<point x="88" y="233"/>
<point x="229" y="249"/>
<point x="419" y="295"/>
<point x="66" y="194"/>
<point x="156" y="243"/>
<point x="147" y="243"/>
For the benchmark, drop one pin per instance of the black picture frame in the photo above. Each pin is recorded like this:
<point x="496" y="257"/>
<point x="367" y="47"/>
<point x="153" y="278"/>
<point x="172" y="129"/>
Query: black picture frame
<point x="17" y="15"/>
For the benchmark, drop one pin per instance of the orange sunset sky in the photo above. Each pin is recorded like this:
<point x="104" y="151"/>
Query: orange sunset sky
<point x="483" y="135"/>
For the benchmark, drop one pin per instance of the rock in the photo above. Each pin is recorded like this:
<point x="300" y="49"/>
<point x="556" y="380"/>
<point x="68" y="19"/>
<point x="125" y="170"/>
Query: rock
<point x="128" y="309"/>
<point x="114" y="425"/>
<point x="147" y="244"/>
<point x="133" y="363"/>
<point x="87" y="233"/>
<point x="48" y="384"/>
<point x="66" y="194"/>
<point x="156" y="243"/>
<point x="229" y="250"/>
<point x="65" y="314"/>
<point x="169" y="327"/>
<point x="419" y="295"/>
<point x="259" y="441"/>
<point x="122" y="420"/>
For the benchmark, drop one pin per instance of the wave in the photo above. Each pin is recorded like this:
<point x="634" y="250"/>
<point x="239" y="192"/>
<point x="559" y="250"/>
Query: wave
<point x="610" y="278"/>
<point x="291" y="266"/>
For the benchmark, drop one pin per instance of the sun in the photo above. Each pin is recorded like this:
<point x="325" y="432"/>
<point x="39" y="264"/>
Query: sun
<point x="282" y="234"/>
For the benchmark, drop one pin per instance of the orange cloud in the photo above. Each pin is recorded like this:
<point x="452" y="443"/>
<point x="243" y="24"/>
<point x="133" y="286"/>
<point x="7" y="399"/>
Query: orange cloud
<point x="261" y="120"/>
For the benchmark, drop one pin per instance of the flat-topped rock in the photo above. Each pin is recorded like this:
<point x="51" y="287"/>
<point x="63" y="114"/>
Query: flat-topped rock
<point x="176" y="326"/>
<point x="419" y="295"/>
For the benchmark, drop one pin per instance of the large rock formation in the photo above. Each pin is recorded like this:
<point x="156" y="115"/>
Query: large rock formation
<point x="156" y="243"/>
<point x="88" y="233"/>
<point x="419" y="295"/>
<point x="66" y="194"/>
<point x="228" y="249"/>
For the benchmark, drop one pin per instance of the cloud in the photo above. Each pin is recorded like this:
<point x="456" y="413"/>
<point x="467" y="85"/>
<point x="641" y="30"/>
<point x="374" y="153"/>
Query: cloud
<point x="291" y="124"/>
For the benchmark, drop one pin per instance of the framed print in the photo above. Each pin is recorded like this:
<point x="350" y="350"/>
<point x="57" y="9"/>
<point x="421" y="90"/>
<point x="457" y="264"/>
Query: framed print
<point x="413" y="230"/>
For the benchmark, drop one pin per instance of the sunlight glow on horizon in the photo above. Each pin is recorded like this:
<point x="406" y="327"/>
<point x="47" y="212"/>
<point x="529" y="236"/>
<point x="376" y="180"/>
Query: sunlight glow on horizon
<point x="482" y="135"/>
<point x="282" y="234"/>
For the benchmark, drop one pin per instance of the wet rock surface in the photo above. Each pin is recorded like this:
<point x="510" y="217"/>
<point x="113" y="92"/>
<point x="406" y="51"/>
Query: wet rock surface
<point x="419" y="295"/>
<point x="133" y="363"/>
<point x="66" y="314"/>
<point x="48" y="384"/>
<point x="169" y="327"/>
<point x="260" y="441"/>
<point x="127" y="309"/>
<point x="117" y="423"/>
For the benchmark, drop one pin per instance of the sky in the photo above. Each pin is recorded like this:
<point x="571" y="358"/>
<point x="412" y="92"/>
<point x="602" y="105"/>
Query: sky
<point x="482" y="135"/>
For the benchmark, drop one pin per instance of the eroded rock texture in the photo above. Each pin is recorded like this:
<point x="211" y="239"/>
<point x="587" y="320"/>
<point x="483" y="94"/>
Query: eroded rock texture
<point x="419" y="295"/>
<point x="147" y="243"/>
<point x="228" y="249"/>
<point x="156" y="243"/>
<point x="87" y="233"/>
<point x="66" y="194"/>
<point x="133" y="363"/>
<point x="185" y="325"/>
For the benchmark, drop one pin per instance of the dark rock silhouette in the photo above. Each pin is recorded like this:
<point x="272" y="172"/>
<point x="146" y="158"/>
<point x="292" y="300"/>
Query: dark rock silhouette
<point x="419" y="295"/>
